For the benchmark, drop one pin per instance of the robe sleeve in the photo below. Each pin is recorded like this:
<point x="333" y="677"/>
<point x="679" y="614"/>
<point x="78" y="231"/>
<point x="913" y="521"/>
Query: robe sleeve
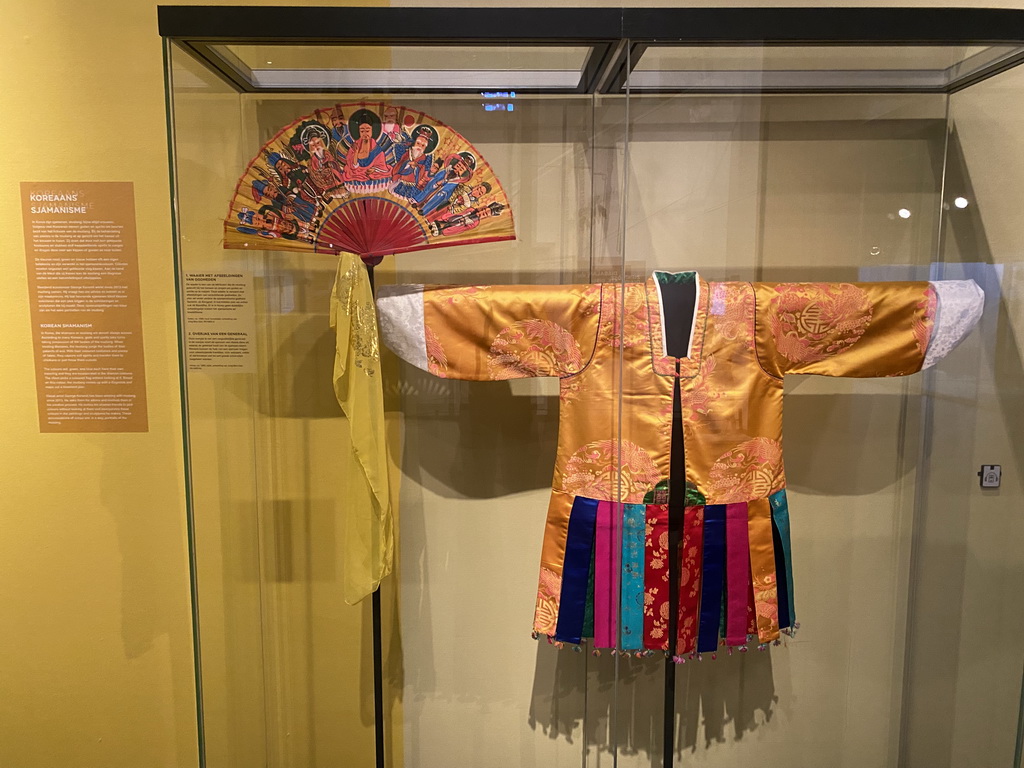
<point x="492" y="332"/>
<point x="862" y="329"/>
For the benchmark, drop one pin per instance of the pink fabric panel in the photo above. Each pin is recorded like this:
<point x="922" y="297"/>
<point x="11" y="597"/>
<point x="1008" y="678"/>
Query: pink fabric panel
<point x="607" y="563"/>
<point x="737" y="575"/>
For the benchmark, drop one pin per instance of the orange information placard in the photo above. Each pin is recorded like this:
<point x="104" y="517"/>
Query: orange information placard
<point x="83" y="283"/>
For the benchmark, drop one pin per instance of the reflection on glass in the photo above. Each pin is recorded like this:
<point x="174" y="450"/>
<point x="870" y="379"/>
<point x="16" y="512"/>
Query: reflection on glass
<point x="811" y="67"/>
<point x="383" y="67"/>
<point x="740" y="187"/>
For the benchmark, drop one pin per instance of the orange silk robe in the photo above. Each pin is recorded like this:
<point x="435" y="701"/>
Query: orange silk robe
<point x="605" y="344"/>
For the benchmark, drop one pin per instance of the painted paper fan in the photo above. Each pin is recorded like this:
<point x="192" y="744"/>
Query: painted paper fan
<point x="368" y="178"/>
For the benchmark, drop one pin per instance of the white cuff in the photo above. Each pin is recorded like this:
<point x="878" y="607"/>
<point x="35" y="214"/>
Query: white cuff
<point x="958" y="308"/>
<point x="400" y="310"/>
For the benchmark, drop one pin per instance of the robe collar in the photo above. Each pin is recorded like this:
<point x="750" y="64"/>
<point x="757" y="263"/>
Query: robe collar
<point x="662" y="363"/>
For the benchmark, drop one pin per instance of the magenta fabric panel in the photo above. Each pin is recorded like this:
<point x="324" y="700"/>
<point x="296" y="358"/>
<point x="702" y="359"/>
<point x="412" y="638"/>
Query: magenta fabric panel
<point x="737" y="579"/>
<point x="607" y="564"/>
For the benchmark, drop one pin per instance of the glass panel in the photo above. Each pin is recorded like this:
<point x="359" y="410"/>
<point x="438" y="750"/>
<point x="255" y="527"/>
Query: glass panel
<point x="965" y="654"/>
<point x="477" y="455"/>
<point x="382" y="67"/>
<point x="228" y="560"/>
<point x="899" y="559"/>
<point x="724" y="68"/>
<point x="285" y="662"/>
<point x="426" y="57"/>
<point x="795" y="189"/>
<point x="287" y="665"/>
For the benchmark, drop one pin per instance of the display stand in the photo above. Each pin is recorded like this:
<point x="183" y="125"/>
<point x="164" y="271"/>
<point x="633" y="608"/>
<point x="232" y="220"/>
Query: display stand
<point x="252" y="62"/>
<point x="378" y="642"/>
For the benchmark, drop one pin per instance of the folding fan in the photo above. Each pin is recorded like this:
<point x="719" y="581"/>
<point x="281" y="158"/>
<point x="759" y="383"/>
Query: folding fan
<point x="367" y="178"/>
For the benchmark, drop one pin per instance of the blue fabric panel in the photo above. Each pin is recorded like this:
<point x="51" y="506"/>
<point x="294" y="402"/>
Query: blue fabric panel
<point x="579" y="547"/>
<point x="783" y="558"/>
<point x="713" y="578"/>
<point x="631" y="609"/>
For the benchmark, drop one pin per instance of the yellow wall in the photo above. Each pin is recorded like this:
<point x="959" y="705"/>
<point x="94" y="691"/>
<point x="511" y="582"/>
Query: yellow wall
<point x="96" y="664"/>
<point x="95" y="651"/>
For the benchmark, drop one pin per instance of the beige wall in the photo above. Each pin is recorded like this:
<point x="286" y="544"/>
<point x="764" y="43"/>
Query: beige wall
<point x="96" y="657"/>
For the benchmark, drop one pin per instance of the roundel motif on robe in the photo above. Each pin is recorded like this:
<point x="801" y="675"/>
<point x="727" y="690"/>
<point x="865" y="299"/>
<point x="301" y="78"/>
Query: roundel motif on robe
<point x="624" y="315"/>
<point x="549" y="590"/>
<point x="437" y="361"/>
<point x="732" y="312"/>
<point x="813" y="321"/>
<point x="751" y="470"/>
<point x="593" y="471"/>
<point x="532" y="347"/>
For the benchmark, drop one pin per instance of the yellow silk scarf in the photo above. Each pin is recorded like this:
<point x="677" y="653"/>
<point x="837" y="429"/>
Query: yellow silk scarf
<point x="367" y="529"/>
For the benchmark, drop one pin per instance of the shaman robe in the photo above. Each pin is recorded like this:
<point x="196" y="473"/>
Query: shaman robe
<point x="692" y="466"/>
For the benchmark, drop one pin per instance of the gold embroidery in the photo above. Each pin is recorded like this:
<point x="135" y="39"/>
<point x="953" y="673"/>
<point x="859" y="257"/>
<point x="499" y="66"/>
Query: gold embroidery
<point x="762" y="570"/>
<point x="437" y="361"/>
<point x="455" y="294"/>
<point x="656" y="581"/>
<point x="813" y="321"/>
<point x="732" y="312"/>
<point x="698" y="397"/>
<point x="593" y="471"/>
<point x="534" y="347"/>
<point x="623" y="316"/>
<point x="751" y="470"/>
<point x="364" y="337"/>
<point x="549" y="590"/>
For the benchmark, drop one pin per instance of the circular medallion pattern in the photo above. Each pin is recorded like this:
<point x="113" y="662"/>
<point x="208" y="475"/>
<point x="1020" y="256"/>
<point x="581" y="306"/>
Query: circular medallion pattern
<point x="813" y="321"/>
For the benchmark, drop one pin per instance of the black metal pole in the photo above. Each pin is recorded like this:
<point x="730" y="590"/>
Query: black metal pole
<point x="676" y="508"/>
<point x="378" y="652"/>
<point x="378" y="680"/>
<point x="669" y="711"/>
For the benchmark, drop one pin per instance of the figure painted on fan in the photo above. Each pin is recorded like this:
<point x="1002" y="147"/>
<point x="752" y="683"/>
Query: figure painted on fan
<point x="391" y="127"/>
<point x="366" y="167"/>
<point x="457" y="170"/>
<point x="339" y="131"/>
<point x="453" y="224"/>
<point x="325" y="172"/>
<point x="286" y="173"/>
<point x="290" y="206"/>
<point x="463" y="197"/>
<point x="269" y="223"/>
<point x="290" y="176"/>
<point x="393" y="136"/>
<point x="415" y="158"/>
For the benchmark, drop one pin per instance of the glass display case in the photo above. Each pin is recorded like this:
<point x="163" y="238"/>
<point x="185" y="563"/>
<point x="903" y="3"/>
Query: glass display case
<point x="754" y="147"/>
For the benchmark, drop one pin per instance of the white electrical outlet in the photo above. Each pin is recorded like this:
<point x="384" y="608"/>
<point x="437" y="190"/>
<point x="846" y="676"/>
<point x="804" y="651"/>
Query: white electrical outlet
<point x="991" y="475"/>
